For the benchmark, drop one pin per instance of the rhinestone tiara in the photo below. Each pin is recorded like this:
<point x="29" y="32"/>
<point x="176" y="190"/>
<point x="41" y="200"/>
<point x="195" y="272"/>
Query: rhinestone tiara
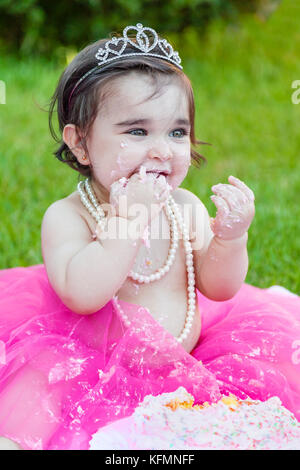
<point x="114" y="49"/>
<point x="146" y="40"/>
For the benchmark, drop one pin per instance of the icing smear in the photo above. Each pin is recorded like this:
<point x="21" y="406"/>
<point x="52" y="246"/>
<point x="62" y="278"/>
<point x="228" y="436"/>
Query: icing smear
<point x="172" y="421"/>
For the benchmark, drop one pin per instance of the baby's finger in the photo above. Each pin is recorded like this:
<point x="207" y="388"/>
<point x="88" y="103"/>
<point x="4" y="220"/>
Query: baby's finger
<point x="164" y="194"/>
<point x="134" y="178"/>
<point x="142" y="173"/>
<point x="118" y="186"/>
<point x="234" y="197"/>
<point x="242" y="186"/>
<point x="161" y="179"/>
<point x="221" y="205"/>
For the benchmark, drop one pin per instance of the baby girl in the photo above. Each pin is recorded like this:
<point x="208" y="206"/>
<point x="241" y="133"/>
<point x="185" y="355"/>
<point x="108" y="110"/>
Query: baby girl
<point x="128" y="124"/>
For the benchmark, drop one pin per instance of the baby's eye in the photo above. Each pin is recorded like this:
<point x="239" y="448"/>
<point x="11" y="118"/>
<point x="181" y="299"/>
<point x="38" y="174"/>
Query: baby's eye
<point x="136" y="130"/>
<point x="179" y="132"/>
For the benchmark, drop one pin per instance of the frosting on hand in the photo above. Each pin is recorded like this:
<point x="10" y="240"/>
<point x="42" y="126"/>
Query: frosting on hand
<point x="235" y="209"/>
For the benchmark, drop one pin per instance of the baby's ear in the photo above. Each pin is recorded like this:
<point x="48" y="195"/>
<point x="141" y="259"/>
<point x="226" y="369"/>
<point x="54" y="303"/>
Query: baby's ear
<point x="73" y="140"/>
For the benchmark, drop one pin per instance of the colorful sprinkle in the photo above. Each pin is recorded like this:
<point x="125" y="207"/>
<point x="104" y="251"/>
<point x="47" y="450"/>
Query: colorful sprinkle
<point x="172" y="421"/>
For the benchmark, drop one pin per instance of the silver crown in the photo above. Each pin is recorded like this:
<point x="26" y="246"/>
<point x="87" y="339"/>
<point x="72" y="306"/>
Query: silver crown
<point x="114" y="49"/>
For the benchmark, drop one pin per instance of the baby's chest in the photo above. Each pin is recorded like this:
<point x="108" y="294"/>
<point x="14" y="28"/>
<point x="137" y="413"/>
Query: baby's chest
<point x="163" y="258"/>
<point x="165" y="298"/>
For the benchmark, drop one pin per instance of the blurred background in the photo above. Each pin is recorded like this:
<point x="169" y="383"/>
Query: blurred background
<point x="242" y="57"/>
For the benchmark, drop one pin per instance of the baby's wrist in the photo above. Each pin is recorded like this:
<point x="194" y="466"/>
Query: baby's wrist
<point x="242" y="240"/>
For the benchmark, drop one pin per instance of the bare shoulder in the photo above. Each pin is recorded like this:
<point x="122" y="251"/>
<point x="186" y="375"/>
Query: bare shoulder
<point x="184" y="196"/>
<point x="190" y="201"/>
<point x="62" y="219"/>
<point x="64" y="232"/>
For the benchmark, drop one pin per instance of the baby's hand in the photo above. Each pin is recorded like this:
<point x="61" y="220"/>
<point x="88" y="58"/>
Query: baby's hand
<point x="147" y="189"/>
<point x="235" y="209"/>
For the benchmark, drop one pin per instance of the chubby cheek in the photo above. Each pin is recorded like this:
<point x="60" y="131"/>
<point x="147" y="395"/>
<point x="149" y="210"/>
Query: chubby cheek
<point x="124" y="161"/>
<point x="180" y="169"/>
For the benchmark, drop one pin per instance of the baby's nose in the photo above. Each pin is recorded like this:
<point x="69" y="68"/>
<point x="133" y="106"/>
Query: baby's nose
<point x="161" y="152"/>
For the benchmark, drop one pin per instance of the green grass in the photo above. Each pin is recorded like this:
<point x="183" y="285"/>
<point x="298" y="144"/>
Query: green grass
<point x="242" y="80"/>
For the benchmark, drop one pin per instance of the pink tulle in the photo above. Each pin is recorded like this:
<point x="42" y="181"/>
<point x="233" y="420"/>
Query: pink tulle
<point x="63" y="376"/>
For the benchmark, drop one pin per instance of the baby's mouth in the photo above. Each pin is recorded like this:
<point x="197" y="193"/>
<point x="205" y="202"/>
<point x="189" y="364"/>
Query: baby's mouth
<point x="142" y="171"/>
<point x="157" y="173"/>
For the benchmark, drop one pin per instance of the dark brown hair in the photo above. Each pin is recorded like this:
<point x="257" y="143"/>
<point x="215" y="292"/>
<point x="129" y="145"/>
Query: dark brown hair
<point x="87" y="98"/>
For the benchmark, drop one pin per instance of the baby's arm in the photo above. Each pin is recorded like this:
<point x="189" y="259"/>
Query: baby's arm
<point x="220" y="255"/>
<point x="225" y="264"/>
<point x="86" y="274"/>
<point x="223" y="269"/>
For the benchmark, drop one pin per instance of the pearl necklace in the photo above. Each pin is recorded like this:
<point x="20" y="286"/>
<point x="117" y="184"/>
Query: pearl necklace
<point x="171" y="254"/>
<point x="97" y="212"/>
<point x="175" y="219"/>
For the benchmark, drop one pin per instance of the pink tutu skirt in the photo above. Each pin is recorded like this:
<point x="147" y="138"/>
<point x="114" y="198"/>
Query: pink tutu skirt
<point x="63" y="376"/>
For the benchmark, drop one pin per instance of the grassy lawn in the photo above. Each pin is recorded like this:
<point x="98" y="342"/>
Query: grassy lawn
<point x="242" y="79"/>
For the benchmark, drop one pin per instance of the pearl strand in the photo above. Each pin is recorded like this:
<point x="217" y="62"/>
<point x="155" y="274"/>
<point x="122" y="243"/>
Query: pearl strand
<point x="171" y="208"/>
<point x="171" y="255"/>
<point x="94" y="210"/>
<point x="93" y="198"/>
<point x="191" y="281"/>
<point x="190" y="272"/>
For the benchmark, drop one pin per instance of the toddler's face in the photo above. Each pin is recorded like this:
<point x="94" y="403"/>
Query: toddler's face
<point x="119" y="145"/>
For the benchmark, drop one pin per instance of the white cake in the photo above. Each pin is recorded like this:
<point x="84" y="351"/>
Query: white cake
<point x="172" y="422"/>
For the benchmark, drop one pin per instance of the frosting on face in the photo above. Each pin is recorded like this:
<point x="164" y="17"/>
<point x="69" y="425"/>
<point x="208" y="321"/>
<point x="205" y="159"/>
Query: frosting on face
<point x="159" y="139"/>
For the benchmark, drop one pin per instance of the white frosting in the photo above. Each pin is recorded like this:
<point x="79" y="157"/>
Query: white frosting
<point x="154" y="426"/>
